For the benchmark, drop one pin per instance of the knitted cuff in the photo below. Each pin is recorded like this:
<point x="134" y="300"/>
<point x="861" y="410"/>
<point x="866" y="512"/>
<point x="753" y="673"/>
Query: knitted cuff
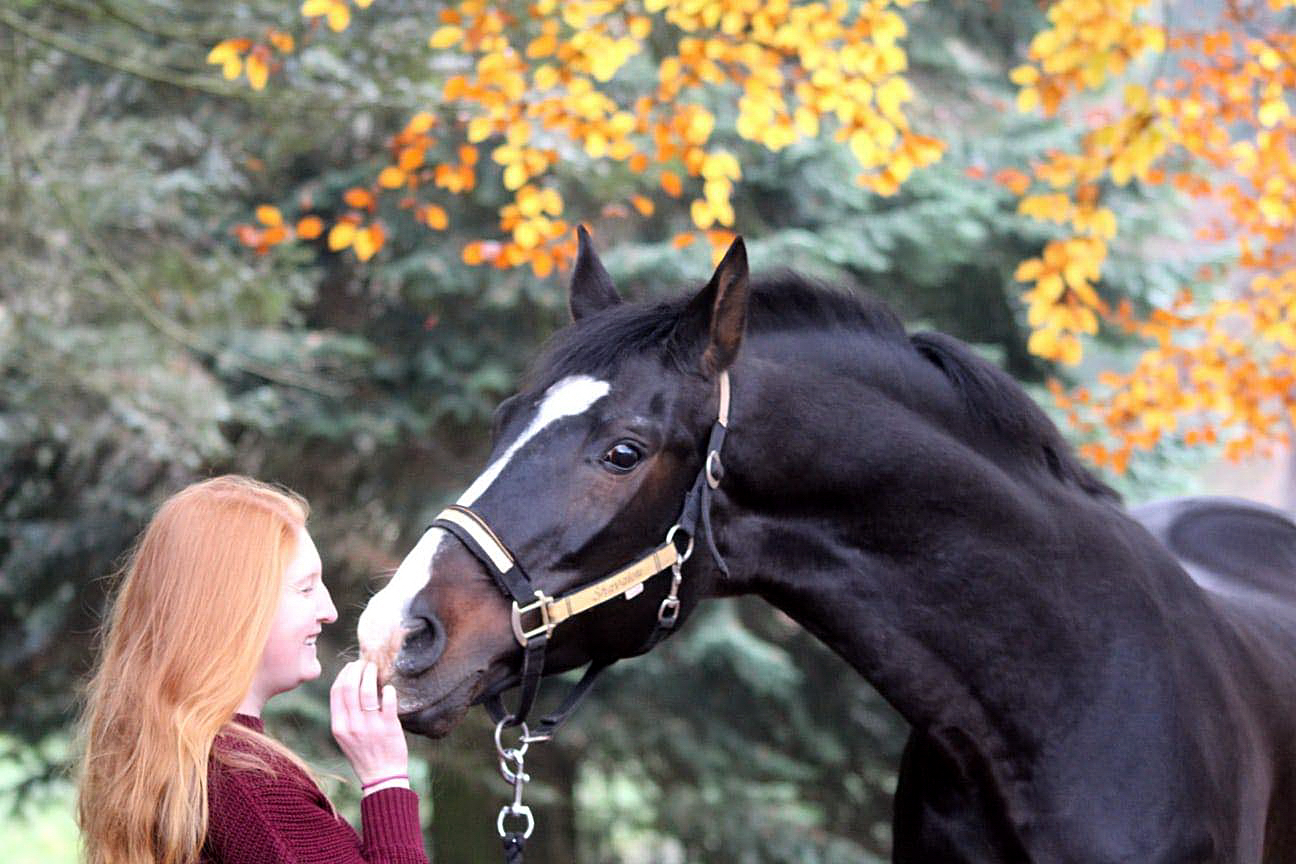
<point x="390" y="818"/>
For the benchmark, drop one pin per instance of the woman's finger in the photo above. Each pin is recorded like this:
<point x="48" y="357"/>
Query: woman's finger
<point x="349" y="685"/>
<point x="389" y="707"/>
<point x="369" y="688"/>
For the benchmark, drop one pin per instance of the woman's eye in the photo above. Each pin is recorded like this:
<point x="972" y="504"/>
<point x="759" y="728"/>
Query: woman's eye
<point x="622" y="457"/>
<point x="307" y="590"/>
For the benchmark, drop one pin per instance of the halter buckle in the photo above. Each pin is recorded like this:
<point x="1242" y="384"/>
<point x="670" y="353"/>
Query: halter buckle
<point x="546" y="626"/>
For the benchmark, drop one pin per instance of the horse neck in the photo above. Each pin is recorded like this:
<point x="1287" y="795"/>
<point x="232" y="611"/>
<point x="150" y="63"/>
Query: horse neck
<point x="945" y="574"/>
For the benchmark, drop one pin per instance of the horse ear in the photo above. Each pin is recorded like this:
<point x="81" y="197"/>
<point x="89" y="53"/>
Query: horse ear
<point x="724" y="300"/>
<point x="591" y="286"/>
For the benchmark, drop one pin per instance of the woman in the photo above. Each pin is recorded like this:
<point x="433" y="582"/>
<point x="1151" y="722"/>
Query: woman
<point x="218" y="611"/>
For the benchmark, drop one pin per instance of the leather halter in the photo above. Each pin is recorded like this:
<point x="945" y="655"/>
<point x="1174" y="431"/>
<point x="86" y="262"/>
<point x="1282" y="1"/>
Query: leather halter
<point x="476" y="534"/>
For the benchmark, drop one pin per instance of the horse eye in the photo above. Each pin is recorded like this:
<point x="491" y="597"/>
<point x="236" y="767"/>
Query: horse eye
<point x="622" y="457"/>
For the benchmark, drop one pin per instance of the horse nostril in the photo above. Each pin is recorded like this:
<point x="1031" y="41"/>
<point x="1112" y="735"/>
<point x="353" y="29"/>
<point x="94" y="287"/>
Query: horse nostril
<point x="424" y="643"/>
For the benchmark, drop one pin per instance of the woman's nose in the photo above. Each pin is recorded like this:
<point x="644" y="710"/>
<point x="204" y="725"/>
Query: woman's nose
<point x="329" y="613"/>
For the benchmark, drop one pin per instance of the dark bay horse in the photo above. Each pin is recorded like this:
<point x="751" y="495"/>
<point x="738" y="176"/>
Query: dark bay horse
<point x="1074" y="694"/>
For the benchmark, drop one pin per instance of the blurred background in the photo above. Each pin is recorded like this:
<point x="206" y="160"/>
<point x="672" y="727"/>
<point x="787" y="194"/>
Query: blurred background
<point x="147" y="340"/>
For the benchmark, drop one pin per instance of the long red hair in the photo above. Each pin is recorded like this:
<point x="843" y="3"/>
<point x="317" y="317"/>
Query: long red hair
<point x="169" y="676"/>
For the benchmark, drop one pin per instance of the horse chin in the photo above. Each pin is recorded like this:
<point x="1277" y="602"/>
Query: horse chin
<point x="434" y="722"/>
<point x="435" y="718"/>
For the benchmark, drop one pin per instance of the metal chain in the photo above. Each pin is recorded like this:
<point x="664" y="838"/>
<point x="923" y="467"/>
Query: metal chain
<point x="512" y="765"/>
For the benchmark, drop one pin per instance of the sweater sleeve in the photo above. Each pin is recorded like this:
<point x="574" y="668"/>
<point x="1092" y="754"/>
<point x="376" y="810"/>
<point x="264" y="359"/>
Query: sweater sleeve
<point x="264" y="820"/>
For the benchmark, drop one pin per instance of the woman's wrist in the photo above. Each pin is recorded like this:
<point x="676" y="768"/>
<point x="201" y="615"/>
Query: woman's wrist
<point x="397" y="782"/>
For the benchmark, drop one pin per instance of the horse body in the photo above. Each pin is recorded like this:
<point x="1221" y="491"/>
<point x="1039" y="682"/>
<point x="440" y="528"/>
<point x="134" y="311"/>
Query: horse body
<point x="1074" y="695"/>
<point x="1031" y="633"/>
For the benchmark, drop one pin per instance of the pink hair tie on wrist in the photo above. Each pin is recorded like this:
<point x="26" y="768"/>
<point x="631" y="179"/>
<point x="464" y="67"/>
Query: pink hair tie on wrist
<point x="372" y="783"/>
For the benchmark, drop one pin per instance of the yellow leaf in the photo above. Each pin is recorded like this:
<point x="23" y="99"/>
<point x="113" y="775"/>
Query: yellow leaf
<point x="339" y="17"/>
<point x="363" y="4"/>
<point x="545" y="77"/>
<point x="269" y="216"/>
<point x="703" y="216"/>
<point x="258" y="71"/>
<point x="420" y="123"/>
<point x="1024" y="76"/>
<point x="316" y="8"/>
<point x="479" y="129"/>
<point x="222" y="52"/>
<point x="1043" y="343"/>
<point x="1027" y="99"/>
<point x="445" y="37"/>
<point x="1272" y="112"/>
<point x="514" y="176"/>
<point x="232" y="69"/>
<point x="391" y="177"/>
<point x="526" y="235"/>
<point x="341" y="236"/>
<point x="368" y="241"/>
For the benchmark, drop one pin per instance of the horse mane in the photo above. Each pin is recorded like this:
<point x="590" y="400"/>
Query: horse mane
<point x="996" y="402"/>
<point x="598" y="344"/>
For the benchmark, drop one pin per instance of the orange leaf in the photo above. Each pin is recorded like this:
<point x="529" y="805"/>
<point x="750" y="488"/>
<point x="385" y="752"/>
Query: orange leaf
<point x="361" y="199"/>
<point x="680" y="241"/>
<point x="310" y="227"/>
<point x="435" y="217"/>
<point x="643" y="204"/>
<point x="670" y="181"/>
<point x="542" y="264"/>
<point x="472" y="254"/>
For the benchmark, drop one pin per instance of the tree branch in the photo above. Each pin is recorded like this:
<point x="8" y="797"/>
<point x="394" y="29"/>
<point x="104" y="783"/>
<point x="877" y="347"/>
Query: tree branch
<point x="38" y="33"/>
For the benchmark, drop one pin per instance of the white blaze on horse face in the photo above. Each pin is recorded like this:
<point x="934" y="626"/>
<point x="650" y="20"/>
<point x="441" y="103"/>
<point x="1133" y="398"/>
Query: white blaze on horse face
<point x="381" y="629"/>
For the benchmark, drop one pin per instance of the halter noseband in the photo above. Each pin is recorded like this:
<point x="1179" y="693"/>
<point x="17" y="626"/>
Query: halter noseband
<point x="528" y="600"/>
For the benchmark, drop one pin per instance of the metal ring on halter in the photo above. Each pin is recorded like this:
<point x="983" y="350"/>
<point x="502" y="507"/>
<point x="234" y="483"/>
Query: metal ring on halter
<point x="513" y="752"/>
<point x="518" y="810"/>
<point x="688" y="550"/>
<point x="714" y="469"/>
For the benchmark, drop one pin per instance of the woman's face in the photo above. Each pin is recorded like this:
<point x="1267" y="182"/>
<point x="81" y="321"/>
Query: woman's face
<point x="304" y="607"/>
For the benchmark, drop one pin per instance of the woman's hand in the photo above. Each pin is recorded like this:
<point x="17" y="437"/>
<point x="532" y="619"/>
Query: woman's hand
<point x="366" y="727"/>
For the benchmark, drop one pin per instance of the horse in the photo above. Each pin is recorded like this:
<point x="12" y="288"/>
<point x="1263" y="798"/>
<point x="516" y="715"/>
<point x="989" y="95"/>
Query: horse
<point x="1073" y="693"/>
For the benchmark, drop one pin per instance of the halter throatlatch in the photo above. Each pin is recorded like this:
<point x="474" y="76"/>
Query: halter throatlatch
<point x="535" y="614"/>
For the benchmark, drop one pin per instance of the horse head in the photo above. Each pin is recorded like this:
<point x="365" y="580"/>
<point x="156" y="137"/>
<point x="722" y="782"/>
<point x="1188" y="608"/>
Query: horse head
<point x="590" y="463"/>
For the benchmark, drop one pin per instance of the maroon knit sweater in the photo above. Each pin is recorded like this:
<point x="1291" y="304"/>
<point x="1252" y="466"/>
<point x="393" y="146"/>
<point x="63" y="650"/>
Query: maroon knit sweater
<point x="254" y="818"/>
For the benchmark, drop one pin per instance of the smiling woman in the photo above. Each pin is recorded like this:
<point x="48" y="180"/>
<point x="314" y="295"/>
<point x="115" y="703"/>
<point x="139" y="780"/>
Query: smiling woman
<point x="218" y="610"/>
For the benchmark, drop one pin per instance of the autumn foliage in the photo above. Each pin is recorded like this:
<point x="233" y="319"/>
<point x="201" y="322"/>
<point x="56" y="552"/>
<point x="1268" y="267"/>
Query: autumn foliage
<point x="1201" y="106"/>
